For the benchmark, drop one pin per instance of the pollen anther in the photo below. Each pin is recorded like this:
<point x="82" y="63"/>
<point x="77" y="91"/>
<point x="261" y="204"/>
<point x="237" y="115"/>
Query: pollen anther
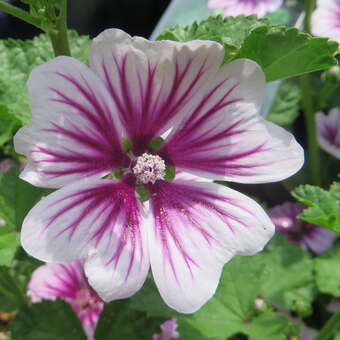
<point x="149" y="168"/>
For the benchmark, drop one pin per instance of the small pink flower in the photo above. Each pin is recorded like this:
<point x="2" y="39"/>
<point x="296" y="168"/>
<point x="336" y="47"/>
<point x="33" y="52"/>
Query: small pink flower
<point x="6" y="164"/>
<point x="328" y="131"/>
<point x="208" y="117"/>
<point x="326" y="19"/>
<point x="246" y="7"/>
<point x="304" y="234"/>
<point x="68" y="282"/>
<point x="168" y="331"/>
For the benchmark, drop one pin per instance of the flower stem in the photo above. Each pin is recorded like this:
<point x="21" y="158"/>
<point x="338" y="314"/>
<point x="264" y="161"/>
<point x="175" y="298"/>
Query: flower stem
<point x="19" y="13"/>
<point x="330" y="327"/>
<point x="310" y="4"/>
<point x="309" y="113"/>
<point x="309" y="109"/>
<point x="59" y="38"/>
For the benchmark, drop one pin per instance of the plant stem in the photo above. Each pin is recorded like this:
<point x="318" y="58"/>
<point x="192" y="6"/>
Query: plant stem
<point x="59" y="38"/>
<point x="19" y="13"/>
<point x="331" y="325"/>
<point x="309" y="113"/>
<point x="309" y="109"/>
<point x="310" y="4"/>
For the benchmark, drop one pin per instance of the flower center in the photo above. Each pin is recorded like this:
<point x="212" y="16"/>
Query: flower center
<point x="149" y="168"/>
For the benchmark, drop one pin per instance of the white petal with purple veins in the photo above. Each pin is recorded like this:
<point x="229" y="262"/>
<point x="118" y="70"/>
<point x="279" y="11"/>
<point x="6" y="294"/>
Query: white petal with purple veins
<point x="225" y="138"/>
<point x="246" y="7"/>
<point x="325" y="20"/>
<point x="73" y="131"/>
<point x="153" y="83"/>
<point x="197" y="228"/>
<point x="328" y="131"/>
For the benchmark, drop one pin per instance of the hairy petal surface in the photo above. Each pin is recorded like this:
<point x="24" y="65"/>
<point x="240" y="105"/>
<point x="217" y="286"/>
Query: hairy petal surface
<point x="246" y="7"/>
<point x="96" y="220"/>
<point x="73" y="132"/>
<point x="225" y="138"/>
<point x="152" y="83"/>
<point x="328" y="132"/>
<point x="198" y="227"/>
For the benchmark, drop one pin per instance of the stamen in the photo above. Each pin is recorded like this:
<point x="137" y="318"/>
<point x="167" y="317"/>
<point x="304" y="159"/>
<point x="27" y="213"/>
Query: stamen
<point x="149" y="168"/>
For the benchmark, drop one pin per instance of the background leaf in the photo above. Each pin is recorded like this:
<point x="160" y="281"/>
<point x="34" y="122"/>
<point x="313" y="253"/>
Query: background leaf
<point x="284" y="53"/>
<point x="324" y="207"/>
<point x="49" y="320"/>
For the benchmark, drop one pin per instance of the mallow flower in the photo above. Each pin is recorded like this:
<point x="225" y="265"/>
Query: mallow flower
<point x="306" y="235"/>
<point x="67" y="282"/>
<point x="168" y="331"/>
<point x="246" y="7"/>
<point x="328" y="131"/>
<point x="325" y="20"/>
<point x="114" y="132"/>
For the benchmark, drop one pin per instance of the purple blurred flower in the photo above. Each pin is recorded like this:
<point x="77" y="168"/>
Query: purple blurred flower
<point x="68" y="282"/>
<point x="326" y="19"/>
<point x="140" y="91"/>
<point x="307" y="333"/>
<point x="305" y="234"/>
<point x="334" y="305"/>
<point x="328" y="131"/>
<point x="246" y="7"/>
<point x="168" y="331"/>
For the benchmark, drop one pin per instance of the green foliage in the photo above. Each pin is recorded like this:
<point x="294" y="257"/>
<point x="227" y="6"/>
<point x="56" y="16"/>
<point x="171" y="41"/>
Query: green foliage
<point x="49" y="320"/>
<point x="10" y="293"/>
<point x="9" y="242"/>
<point x="286" y="105"/>
<point x="279" y="17"/>
<point x="281" y="52"/>
<point x="244" y="280"/>
<point x="327" y="271"/>
<point x="284" y="53"/>
<point x="17" y="59"/>
<point x="17" y="197"/>
<point x="230" y="32"/>
<point x="324" y="206"/>
<point x="118" y="321"/>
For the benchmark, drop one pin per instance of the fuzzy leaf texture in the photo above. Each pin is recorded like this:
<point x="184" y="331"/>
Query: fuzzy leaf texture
<point x="49" y="320"/>
<point x="324" y="206"/>
<point x="230" y="32"/>
<point x="244" y="279"/>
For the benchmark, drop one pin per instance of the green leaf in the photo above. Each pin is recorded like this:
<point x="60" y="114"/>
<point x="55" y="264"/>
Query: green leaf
<point x="17" y="197"/>
<point x="17" y="60"/>
<point x="49" y="320"/>
<point x="230" y="32"/>
<point x="286" y="105"/>
<point x="244" y="280"/>
<point x="118" y="321"/>
<point x="284" y="53"/>
<point x="324" y="207"/>
<point x="11" y="293"/>
<point x="327" y="271"/>
<point x="279" y="17"/>
<point x="285" y="259"/>
<point x="9" y="243"/>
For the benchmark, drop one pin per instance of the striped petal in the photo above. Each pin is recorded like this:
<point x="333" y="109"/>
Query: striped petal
<point x="225" y="138"/>
<point x="198" y="227"/>
<point x="152" y="83"/>
<point x="73" y="131"/>
<point x="328" y="131"/>
<point x="96" y="220"/>
<point x="52" y="280"/>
